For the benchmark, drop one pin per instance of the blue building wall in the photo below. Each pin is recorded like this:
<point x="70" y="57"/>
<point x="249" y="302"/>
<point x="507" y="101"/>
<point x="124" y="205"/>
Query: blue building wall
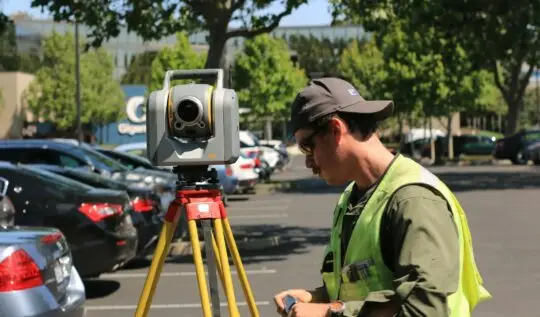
<point x="131" y="129"/>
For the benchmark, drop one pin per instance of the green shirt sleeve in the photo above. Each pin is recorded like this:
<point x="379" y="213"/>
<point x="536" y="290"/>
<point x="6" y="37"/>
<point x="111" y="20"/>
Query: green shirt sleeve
<point x="419" y="242"/>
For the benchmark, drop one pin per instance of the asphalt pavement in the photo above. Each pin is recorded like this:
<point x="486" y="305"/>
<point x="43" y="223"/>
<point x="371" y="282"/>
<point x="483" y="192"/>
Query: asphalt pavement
<point x="502" y="207"/>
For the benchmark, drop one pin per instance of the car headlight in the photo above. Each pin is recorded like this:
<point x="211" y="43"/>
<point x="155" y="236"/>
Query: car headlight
<point x="133" y="177"/>
<point x="161" y="181"/>
<point x="149" y="179"/>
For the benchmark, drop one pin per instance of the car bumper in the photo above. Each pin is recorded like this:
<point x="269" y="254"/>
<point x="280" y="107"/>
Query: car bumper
<point x="230" y="186"/>
<point x="105" y="254"/>
<point x="148" y="226"/>
<point x="246" y="184"/>
<point x="39" y="302"/>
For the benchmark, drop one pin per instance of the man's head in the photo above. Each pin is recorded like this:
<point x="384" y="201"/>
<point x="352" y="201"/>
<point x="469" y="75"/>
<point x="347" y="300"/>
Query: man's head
<point x="333" y="125"/>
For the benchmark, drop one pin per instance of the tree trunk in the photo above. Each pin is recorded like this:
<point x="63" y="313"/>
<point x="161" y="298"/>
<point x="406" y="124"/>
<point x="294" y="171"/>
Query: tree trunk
<point x="216" y="48"/>
<point x="450" y="138"/>
<point x="512" y="116"/>
<point x="268" y="128"/>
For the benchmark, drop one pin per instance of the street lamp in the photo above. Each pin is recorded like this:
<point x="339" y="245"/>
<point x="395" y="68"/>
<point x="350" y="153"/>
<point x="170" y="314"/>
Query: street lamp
<point x="78" y="84"/>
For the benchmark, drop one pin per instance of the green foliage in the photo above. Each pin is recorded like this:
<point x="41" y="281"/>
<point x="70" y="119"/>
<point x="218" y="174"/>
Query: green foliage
<point x="317" y="55"/>
<point x="103" y="95"/>
<point x="140" y="69"/>
<point x="9" y="59"/>
<point x="498" y="37"/>
<point x="153" y="20"/>
<point x="363" y="64"/>
<point x="52" y="94"/>
<point x="531" y="108"/>
<point x="265" y="78"/>
<point x="179" y="56"/>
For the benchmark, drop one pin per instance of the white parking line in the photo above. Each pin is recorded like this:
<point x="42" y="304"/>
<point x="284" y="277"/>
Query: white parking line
<point x="281" y="215"/>
<point x="167" y="306"/>
<point x="268" y="208"/>
<point x="265" y="201"/>
<point x="181" y="274"/>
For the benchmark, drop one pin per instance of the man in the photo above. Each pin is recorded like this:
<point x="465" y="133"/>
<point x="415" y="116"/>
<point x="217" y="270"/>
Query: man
<point x="400" y="244"/>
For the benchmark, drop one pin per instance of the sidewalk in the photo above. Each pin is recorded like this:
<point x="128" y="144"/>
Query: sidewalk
<point x="293" y="150"/>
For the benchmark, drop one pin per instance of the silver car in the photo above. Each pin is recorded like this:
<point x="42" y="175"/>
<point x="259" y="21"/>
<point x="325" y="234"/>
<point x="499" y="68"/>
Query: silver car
<point x="37" y="277"/>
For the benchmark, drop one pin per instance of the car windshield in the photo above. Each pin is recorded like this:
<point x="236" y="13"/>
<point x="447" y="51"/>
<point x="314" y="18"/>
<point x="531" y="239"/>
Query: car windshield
<point x="255" y="139"/>
<point x="98" y="158"/>
<point x="134" y="159"/>
<point x="94" y="179"/>
<point x="59" y="181"/>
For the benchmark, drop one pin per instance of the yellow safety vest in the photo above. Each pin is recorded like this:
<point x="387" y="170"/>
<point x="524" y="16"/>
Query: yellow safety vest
<point x="364" y="271"/>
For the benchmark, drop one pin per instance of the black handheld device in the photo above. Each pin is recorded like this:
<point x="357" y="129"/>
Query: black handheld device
<point x="288" y="303"/>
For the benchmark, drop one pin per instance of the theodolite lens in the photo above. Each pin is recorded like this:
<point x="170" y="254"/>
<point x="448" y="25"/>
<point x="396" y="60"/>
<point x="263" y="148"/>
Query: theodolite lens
<point x="188" y="111"/>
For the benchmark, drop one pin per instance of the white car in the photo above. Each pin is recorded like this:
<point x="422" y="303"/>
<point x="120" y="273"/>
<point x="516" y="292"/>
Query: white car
<point x="244" y="170"/>
<point x="137" y="148"/>
<point x="250" y="147"/>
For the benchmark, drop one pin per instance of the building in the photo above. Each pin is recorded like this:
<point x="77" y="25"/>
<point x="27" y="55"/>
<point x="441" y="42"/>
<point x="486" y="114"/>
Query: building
<point x="127" y="45"/>
<point x="13" y="112"/>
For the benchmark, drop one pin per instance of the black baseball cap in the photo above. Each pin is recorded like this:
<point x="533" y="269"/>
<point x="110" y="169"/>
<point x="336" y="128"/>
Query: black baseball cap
<point x="328" y="95"/>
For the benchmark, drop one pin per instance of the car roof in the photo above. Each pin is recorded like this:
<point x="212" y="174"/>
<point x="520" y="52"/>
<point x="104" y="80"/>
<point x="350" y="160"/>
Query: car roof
<point x="50" y="167"/>
<point x="36" y="143"/>
<point x="131" y="146"/>
<point x="7" y="165"/>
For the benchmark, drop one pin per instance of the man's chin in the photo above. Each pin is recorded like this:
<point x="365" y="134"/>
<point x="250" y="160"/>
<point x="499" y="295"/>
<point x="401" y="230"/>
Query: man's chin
<point x="332" y="181"/>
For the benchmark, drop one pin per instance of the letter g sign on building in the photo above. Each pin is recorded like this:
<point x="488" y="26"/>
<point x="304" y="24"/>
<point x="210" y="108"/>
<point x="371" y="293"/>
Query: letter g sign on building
<point x="133" y="109"/>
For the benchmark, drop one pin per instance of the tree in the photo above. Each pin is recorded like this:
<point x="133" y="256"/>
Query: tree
<point x="531" y="110"/>
<point x="179" y="56"/>
<point x="51" y="95"/>
<point x="363" y="64"/>
<point x="500" y="36"/>
<point x="139" y="71"/>
<point x="156" y="19"/>
<point x="317" y="55"/>
<point x="265" y="78"/>
<point x="103" y="96"/>
<point x="11" y="58"/>
<point x="409" y="68"/>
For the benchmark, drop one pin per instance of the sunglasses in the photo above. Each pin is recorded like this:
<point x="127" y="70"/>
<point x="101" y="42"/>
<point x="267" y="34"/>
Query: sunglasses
<point x="308" y="144"/>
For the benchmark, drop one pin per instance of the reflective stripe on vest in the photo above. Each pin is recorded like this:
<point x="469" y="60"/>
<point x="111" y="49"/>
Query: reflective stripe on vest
<point x="364" y="271"/>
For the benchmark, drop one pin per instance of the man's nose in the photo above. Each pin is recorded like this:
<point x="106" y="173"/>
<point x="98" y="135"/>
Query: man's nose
<point x="310" y="161"/>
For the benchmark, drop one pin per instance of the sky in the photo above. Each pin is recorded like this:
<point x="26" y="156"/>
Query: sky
<point x="314" y="13"/>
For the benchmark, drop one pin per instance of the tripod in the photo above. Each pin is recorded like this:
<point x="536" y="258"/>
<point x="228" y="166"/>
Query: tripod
<point x="198" y="195"/>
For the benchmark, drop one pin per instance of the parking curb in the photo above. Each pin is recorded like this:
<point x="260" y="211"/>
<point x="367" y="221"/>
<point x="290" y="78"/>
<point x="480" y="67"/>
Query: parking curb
<point x="183" y="248"/>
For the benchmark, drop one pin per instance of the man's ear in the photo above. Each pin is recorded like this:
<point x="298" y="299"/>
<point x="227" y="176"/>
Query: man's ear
<point x="338" y="129"/>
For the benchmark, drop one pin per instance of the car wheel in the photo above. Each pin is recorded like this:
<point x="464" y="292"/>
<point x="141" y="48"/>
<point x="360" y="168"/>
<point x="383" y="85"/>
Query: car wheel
<point x="225" y="199"/>
<point x="520" y="158"/>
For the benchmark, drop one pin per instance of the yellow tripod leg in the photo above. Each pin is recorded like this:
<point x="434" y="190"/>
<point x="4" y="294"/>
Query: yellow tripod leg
<point x="199" y="268"/>
<point x="229" y="290"/>
<point x="160" y="254"/>
<point x="240" y="268"/>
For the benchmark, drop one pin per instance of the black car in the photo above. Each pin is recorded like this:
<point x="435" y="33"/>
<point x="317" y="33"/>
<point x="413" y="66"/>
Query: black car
<point x="69" y="154"/>
<point x="130" y="160"/>
<point x="514" y="147"/>
<point x="145" y="204"/>
<point x="96" y="222"/>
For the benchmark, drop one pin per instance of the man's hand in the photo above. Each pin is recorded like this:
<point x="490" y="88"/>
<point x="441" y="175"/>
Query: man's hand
<point x="310" y="310"/>
<point x="301" y="295"/>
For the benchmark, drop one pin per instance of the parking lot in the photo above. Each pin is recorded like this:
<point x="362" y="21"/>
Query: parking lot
<point x="501" y="202"/>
